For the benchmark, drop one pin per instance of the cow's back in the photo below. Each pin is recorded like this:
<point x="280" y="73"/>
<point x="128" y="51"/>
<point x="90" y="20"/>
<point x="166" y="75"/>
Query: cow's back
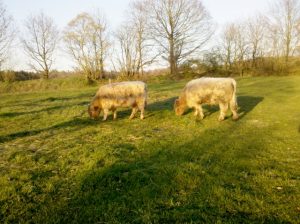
<point x="209" y="90"/>
<point x="122" y="90"/>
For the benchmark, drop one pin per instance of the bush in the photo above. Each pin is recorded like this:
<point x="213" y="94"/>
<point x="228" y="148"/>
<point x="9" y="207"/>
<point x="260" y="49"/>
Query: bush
<point x="12" y="76"/>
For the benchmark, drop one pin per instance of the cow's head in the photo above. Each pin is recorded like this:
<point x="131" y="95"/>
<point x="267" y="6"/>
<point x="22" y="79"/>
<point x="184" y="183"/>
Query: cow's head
<point x="179" y="107"/>
<point x="94" y="110"/>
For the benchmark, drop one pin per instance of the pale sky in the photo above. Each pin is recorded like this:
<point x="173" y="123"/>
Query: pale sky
<point x="62" y="11"/>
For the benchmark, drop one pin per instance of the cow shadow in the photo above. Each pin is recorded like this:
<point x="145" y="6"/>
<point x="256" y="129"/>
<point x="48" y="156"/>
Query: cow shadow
<point x="247" y="104"/>
<point x="167" y="104"/>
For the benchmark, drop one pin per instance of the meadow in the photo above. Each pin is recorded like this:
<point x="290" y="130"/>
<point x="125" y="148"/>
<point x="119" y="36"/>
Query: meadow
<point x="59" y="166"/>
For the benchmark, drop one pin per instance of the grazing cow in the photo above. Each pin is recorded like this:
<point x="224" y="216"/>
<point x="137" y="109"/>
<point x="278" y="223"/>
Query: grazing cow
<point x="120" y="94"/>
<point x="210" y="91"/>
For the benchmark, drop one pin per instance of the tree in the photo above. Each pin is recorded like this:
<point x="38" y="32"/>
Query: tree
<point x="87" y="42"/>
<point x="40" y="42"/>
<point x="146" y="54"/>
<point x="135" y="49"/>
<point x="128" y="60"/>
<point x="234" y="47"/>
<point x="228" y="47"/>
<point x="256" y="32"/>
<point x="7" y="34"/>
<point x="101" y="43"/>
<point x="284" y="21"/>
<point x="179" y="27"/>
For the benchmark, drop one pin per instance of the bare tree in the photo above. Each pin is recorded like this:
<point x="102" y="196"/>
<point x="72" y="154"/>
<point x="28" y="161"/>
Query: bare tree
<point x="101" y="43"/>
<point x="256" y="32"/>
<point x="40" y="42"/>
<point x="87" y="42"/>
<point x="242" y="48"/>
<point x="180" y="27"/>
<point x="228" y="48"/>
<point x="284" y="21"/>
<point x="135" y="47"/>
<point x="139" y="21"/>
<point x="234" y="45"/>
<point x="7" y="34"/>
<point x="128" y="59"/>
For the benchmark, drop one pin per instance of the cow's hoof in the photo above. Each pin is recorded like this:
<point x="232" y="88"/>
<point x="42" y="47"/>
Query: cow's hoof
<point x="221" y="119"/>
<point x="236" y="117"/>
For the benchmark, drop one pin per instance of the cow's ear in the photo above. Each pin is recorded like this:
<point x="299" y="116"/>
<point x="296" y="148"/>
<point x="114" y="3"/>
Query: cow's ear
<point x="96" y="107"/>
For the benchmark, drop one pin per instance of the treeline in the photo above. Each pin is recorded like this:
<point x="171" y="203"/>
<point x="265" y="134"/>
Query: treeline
<point x="156" y="33"/>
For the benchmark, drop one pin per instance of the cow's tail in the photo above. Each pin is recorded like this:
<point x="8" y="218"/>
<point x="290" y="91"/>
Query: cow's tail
<point x="146" y="94"/>
<point x="233" y="101"/>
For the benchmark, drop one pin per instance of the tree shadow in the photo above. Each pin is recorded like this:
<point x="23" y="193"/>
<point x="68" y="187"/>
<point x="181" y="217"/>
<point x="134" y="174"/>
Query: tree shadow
<point x="160" y="188"/>
<point x="76" y="123"/>
<point x="61" y="98"/>
<point x="48" y="109"/>
<point x="30" y="102"/>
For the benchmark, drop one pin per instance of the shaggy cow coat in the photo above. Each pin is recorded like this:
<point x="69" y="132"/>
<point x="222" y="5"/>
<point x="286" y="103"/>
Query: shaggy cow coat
<point x="211" y="91"/>
<point x="121" y="94"/>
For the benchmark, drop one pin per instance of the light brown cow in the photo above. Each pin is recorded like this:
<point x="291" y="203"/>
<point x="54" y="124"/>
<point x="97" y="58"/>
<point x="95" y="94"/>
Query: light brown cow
<point x="212" y="91"/>
<point x="120" y="94"/>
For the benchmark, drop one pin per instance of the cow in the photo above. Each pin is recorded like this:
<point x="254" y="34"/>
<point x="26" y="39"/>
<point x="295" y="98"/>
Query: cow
<point x="112" y="96"/>
<point x="211" y="91"/>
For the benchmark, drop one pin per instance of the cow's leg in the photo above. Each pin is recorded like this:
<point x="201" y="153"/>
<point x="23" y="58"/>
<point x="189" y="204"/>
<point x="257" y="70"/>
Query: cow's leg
<point x="223" y="110"/>
<point x="141" y="105"/>
<point x="142" y="109"/>
<point x="196" y="112"/>
<point x="134" y="110"/>
<point x="105" y="114"/>
<point x="234" y="108"/>
<point x="114" y="114"/>
<point x="199" y="111"/>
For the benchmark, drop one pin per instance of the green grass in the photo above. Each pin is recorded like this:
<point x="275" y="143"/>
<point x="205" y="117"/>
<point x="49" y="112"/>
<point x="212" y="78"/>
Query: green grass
<point x="59" y="166"/>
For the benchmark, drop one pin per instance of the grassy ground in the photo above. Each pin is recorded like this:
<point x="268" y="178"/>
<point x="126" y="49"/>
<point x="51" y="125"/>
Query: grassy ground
<point x="58" y="166"/>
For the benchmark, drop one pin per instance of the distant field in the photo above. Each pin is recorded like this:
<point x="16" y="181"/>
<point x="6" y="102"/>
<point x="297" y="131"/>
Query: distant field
<point x="59" y="166"/>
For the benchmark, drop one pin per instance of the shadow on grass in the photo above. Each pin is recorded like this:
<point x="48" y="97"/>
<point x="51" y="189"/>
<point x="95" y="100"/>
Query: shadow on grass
<point x="48" y="109"/>
<point x="246" y="105"/>
<point x="53" y="99"/>
<point x="201" y="181"/>
<point x="39" y="102"/>
<point x="162" y="105"/>
<point x="74" y="123"/>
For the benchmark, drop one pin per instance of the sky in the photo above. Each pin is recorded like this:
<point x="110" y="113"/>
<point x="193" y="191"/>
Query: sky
<point x="62" y="11"/>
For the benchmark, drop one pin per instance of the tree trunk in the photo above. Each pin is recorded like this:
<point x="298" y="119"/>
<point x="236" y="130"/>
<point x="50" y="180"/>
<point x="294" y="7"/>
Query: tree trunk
<point x="46" y="72"/>
<point x="101" y="75"/>
<point x="172" y="59"/>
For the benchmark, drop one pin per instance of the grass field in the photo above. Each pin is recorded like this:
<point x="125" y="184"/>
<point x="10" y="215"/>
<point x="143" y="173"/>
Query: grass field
<point x="59" y="166"/>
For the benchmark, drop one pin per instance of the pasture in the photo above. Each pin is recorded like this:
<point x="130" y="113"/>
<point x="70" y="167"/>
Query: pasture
<point x="59" y="166"/>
